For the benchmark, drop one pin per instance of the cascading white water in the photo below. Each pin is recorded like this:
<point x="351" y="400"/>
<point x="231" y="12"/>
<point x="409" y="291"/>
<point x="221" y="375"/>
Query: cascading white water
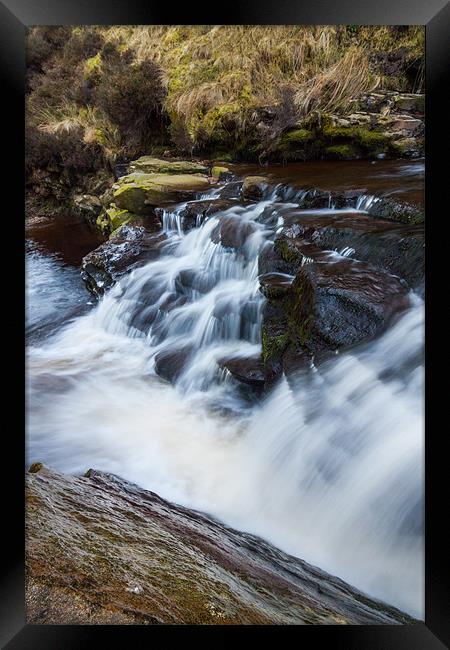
<point x="328" y="468"/>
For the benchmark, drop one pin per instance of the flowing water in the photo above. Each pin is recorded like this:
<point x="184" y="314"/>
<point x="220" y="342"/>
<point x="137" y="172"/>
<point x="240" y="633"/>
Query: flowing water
<point x="328" y="467"/>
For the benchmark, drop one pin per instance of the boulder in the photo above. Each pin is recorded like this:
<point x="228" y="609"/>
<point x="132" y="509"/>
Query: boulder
<point x="140" y="193"/>
<point x="112" y="218"/>
<point x="394" y="247"/>
<point x="342" y="303"/>
<point x="87" y="206"/>
<point x="232" y="232"/>
<point x="129" y="246"/>
<point x="101" y="550"/>
<point x="397" y="211"/>
<point x="231" y="190"/>
<point x="407" y="125"/>
<point x="221" y="173"/>
<point x="150" y="165"/>
<point x="410" y="102"/>
<point x="170" y="363"/>
<point x="275" y="285"/>
<point x="333" y="304"/>
<point x="409" y="147"/>
<point x="248" y="370"/>
<point x="253" y="187"/>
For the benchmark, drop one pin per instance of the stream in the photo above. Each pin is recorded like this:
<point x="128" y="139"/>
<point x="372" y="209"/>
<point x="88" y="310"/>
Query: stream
<point x="327" y="466"/>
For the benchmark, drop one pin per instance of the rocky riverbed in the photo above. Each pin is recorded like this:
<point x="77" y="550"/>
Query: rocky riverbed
<point x="317" y="301"/>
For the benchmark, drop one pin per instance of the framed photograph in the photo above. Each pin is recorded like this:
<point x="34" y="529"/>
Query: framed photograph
<point x="226" y="310"/>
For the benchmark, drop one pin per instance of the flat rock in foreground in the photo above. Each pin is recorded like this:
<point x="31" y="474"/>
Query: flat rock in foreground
<point x="101" y="550"/>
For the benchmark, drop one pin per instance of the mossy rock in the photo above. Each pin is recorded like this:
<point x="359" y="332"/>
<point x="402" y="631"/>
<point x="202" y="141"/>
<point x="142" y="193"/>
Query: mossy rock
<point x="296" y="138"/>
<point x="140" y="193"/>
<point x="150" y="165"/>
<point x="86" y="206"/>
<point x="360" y="139"/>
<point x="373" y="141"/>
<point x="112" y="218"/>
<point x="407" y="147"/>
<point x="273" y="345"/>
<point x="35" y="468"/>
<point x="399" y="211"/>
<point x="253" y="187"/>
<point x="410" y="103"/>
<point x="221" y="173"/>
<point x="342" y="152"/>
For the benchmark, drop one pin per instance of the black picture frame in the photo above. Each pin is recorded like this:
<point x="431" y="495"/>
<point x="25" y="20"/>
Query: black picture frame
<point x="15" y="17"/>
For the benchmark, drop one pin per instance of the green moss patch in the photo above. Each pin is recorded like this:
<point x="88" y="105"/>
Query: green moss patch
<point x="112" y="218"/>
<point x="342" y="152"/>
<point x="273" y="346"/>
<point x="296" y="138"/>
<point x="359" y="140"/>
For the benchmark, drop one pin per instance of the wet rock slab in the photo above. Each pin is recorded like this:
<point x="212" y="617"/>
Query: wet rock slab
<point x="394" y="247"/>
<point x="334" y="303"/>
<point x="170" y="363"/>
<point x="345" y="302"/>
<point x="149" y="164"/>
<point x="232" y="232"/>
<point x="248" y="370"/>
<point x="102" y="550"/>
<point x="196" y="212"/>
<point x="129" y="246"/>
<point x="400" y="211"/>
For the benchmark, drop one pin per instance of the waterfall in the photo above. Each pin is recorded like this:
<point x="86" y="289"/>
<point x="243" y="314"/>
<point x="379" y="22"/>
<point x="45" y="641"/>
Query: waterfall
<point x="328" y="466"/>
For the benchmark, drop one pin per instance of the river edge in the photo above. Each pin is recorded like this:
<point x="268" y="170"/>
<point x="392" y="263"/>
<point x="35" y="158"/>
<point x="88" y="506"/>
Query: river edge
<point x="101" y="550"/>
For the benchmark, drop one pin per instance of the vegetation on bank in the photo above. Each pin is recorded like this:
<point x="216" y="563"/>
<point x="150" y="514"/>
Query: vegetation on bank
<point x="100" y="95"/>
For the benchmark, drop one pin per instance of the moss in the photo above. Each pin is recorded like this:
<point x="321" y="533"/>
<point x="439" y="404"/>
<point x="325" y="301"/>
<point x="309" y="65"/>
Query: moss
<point x="216" y="171"/>
<point x="139" y="192"/>
<point x="224" y="156"/>
<point x="101" y="137"/>
<point x="287" y="253"/>
<point x="340" y="132"/>
<point x="92" y="65"/>
<point x="112" y="218"/>
<point x="296" y="138"/>
<point x="405" y="146"/>
<point x="273" y="346"/>
<point x="214" y="121"/>
<point x="367" y="141"/>
<point x="372" y="140"/>
<point x="342" y="152"/>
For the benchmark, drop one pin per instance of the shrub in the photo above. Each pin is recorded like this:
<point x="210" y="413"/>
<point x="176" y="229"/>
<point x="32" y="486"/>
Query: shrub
<point x="64" y="148"/>
<point x="42" y="43"/>
<point x="131" y="95"/>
